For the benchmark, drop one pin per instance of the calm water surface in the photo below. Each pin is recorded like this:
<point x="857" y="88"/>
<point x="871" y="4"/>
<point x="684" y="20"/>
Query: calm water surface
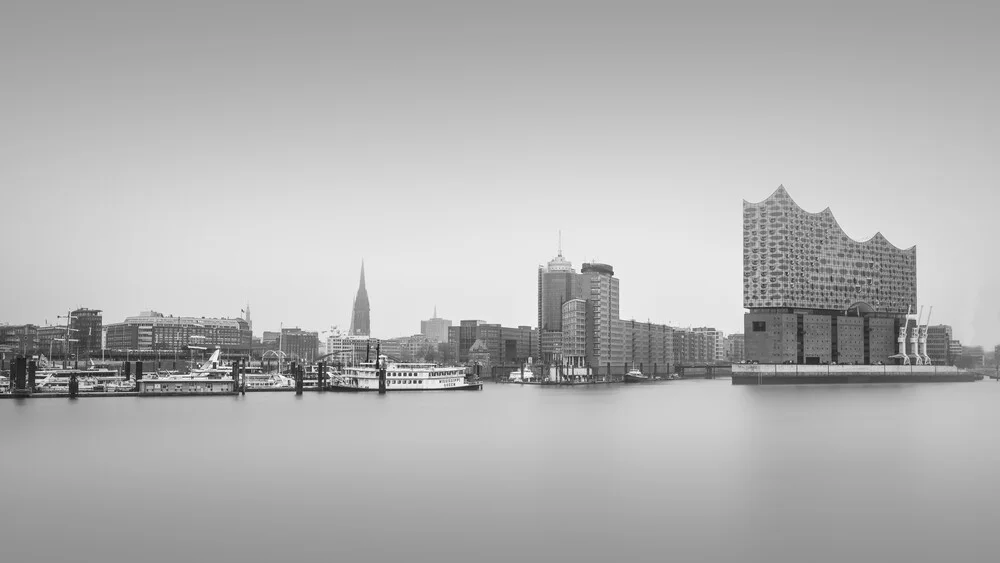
<point x="681" y="471"/>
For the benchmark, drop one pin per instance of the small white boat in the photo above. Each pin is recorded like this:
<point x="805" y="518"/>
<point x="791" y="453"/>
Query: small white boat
<point x="636" y="376"/>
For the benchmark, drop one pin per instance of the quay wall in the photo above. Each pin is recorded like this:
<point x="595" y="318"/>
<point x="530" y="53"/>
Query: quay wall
<point x="776" y="374"/>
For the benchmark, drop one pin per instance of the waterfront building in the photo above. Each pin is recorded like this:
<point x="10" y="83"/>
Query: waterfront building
<point x="939" y="338"/>
<point x="506" y="345"/>
<point x="435" y="328"/>
<point x="151" y="331"/>
<point x="734" y="348"/>
<point x="19" y="339"/>
<point x="52" y="341"/>
<point x="955" y="351"/>
<point x="694" y="347"/>
<point x="361" y="313"/>
<point x="299" y="345"/>
<point x="87" y="327"/>
<point x="649" y="347"/>
<point x="714" y="343"/>
<point x="815" y="295"/>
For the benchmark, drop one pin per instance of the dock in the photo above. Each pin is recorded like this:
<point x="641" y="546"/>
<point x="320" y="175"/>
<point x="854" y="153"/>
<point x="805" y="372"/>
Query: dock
<point x="781" y="374"/>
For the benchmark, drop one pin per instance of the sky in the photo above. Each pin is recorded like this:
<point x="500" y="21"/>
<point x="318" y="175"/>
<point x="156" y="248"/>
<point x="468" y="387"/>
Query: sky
<point x="190" y="157"/>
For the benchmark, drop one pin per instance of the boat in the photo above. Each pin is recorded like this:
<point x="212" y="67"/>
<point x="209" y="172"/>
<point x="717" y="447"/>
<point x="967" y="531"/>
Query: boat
<point x="636" y="376"/>
<point x="267" y="381"/>
<point x="523" y="375"/>
<point x="403" y="377"/>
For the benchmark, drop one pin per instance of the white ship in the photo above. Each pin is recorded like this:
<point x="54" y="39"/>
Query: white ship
<point x="403" y="377"/>
<point x="523" y="375"/>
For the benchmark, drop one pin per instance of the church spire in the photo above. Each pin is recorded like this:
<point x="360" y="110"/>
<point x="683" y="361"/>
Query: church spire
<point x="360" y="317"/>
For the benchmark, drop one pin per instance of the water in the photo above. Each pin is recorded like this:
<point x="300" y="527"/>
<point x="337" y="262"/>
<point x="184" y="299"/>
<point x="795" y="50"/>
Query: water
<point x="681" y="471"/>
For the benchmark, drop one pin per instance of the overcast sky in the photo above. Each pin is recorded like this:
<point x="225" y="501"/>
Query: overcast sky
<point x="189" y="157"/>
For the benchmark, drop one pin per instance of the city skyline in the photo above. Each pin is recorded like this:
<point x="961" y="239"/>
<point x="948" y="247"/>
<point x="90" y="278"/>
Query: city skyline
<point x="221" y="169"/>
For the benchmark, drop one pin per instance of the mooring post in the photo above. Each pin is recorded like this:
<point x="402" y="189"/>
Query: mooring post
<point x="18" y="378"/>
<point x="74" y="385"/>
<point x="32" y="368"/>
<point x="297" y="371"/>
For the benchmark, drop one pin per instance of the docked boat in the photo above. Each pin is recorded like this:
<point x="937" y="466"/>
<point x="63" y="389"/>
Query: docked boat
<point x="268" y="381"/>
<point x="636" y="376"/>
<point x="523" y="375"/>
<point x="403" y="377"/>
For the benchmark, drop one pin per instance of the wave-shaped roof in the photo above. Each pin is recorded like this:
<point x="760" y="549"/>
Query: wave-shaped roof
<point x="781" y="192"/>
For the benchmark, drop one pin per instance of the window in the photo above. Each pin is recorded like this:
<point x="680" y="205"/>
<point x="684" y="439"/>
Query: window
<point x="759" y="326"/>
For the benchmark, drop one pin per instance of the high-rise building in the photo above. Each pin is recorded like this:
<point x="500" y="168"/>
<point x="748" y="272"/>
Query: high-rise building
<point x="360" y="317"/>
<point x="606" y="330"/>
<point x="558" y="283"/>
<point x="814" y="294"/>
<point x="435" y="328"/>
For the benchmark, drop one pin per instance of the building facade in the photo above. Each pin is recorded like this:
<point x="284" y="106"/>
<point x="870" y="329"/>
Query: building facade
<point x="19" y="339"/>
<point x="505" y="345"/>
<point x="435" y="328"/>
<point x="734" y="348"/>
<point x="299" y="345"/>
<point x="815" y="295"/>
<point x="605" y="330"/>
<point x="87" y="326"/>
<point x="649" y="347"/>
<point x="939" y="338"/>
<point x="151" y="331"/>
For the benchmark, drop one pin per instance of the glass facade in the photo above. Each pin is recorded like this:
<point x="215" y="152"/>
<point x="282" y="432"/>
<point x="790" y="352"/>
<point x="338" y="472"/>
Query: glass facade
<point x="793" y="258"/>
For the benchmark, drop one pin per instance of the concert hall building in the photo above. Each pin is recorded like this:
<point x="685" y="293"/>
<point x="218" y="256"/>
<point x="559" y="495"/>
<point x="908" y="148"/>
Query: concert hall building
<point x="814" y="295"/>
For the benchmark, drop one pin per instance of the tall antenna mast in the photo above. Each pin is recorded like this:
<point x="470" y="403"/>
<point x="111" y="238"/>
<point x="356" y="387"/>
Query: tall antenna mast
<point x="560" y="242"/>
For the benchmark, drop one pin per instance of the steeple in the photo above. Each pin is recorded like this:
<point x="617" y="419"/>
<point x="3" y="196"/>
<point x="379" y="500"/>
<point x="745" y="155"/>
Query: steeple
<point x="360" y="318"/>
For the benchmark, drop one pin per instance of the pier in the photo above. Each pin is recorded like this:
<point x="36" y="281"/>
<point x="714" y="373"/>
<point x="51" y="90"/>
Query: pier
<point x="782" y="374"/>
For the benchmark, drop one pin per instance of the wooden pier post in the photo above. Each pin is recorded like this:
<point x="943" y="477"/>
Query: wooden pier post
<point x="297" y="373"/>
<point x="74" y="386"/>
<point x="380" y="368"/>
<point x="32" y="368"/>
<point x="18" y="375"/>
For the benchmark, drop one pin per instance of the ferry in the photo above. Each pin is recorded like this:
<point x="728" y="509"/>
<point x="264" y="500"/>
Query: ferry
<point x="403" y="377"/>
